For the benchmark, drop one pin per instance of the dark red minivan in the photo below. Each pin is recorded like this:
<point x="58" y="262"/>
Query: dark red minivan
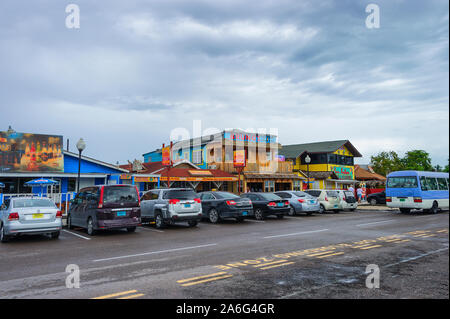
<point x="105" y="207"/>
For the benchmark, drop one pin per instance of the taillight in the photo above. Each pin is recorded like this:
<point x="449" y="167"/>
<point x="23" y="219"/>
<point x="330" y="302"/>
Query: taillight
<point x="417" y="199"/>
<point x="100" y="202"/>
<point x="272" y="204"/>
<point x="173" y="201"/>
<point x="231" y="202"/>
<point x="13" y="216"/>
<point x="301" y="200"/>
<point x="389" y="199"/>
<point x="59" y="214"/>
<point x="326" y="199"/>
<point x="197" y="200"/>
<point x="286" y="203"/>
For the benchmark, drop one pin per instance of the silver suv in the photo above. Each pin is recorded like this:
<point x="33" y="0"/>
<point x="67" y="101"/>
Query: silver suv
<point x="168" y="206"/>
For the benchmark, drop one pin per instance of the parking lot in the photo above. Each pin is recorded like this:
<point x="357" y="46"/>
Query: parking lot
<point x="318" y="256"/>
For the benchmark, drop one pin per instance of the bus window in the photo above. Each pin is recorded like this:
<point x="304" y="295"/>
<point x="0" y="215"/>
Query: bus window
<point x="442" y="183"/>
<point x="402" y="182"/>
<point x="428" y="183"/>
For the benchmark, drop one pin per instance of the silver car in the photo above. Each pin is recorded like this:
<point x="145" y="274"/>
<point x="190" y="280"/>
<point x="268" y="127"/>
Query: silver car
<point x="29" y="216"/>
<point x="300" y="202"/>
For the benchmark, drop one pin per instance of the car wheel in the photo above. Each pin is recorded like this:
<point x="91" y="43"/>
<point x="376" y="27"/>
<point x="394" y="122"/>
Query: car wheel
<point x="373" y="202"/>
<point x="405" y="210"/>
<point x="291" y="211"/>
<point x="3" y="237"/>
<point x="90" y="227"/>
<point x="159" y="222"/>
<point x="435" y="208"/>
<point x="259" y="214"/>
<point x="321" y="209"/>
<point x="192" y="223"/>
<point x="213" y="216"/>
<point x="131" y="229"/>
<point x="55" y="235"/>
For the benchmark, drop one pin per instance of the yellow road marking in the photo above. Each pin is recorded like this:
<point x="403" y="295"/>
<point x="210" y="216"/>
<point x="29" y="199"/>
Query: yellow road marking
<point x="201" y="277"/>
<point x="132" y="296"/>
<point x="366" y="245"/>
<point x="370" y="247"/>
<point x="427" y="236"/>
<point x="442" y="231"/>
<point x="335" y="254"/>
<point x="403" y="241"/>
<point x="393" y="240"/>
<point x="418" y="236"/>
<point x="322" y="253"/>
<point x="271" y="263"/>
<point x="279" y="265"/>
<point x="206" y="280"/>
<point x="116" y="294"/>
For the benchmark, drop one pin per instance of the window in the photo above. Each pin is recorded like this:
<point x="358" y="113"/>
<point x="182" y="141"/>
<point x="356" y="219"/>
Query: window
<point x="269" y="186"/>
<point x="207" y="196"/>
<point x="72" y="185"/>
<point x="226" y="195"/>
<point x="284" y="195"/>
<point x="313" y="193"/>
<point x="180" y="194"/>
<point x="120" y="194"/>
<point x="154" y="195"/>
<point x="442" y="183"/>
<point x="297" y="185"/>
<point x="332" y="194"/>
<point x="402" y="182"/>
<point x="428" y="183"/>
<point x="197" y="156"/>
<point x="270" y="196"/>
<point x="24" y="203"/>
<point x="146" y="196"/>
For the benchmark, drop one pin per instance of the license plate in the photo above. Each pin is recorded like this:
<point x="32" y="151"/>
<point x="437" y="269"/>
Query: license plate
<point x="35" y="216"/>
<point x="402" y="199"/>
<point x="187" y="205"/>
<point x="121" y="214"/>
<point x="244" y="213"/>
<point x="280" y="204"/>
<point x="335" y="206"/>
<point x="312" y="201"/>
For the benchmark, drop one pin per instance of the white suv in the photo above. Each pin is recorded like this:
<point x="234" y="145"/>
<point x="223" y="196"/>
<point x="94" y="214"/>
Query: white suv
<point x="328" y="199"/>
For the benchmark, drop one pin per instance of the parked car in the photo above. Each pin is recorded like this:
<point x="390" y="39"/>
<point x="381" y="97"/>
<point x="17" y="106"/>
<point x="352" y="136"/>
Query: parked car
<point x="219" y="205"/>
<point x="328" y="199"/>
<point x="105" y="207"/>
<point x="348" y="200"/>
<point x="300" y="202"/>
<point x="377" y="198"/>
<point x="29" y="216"/>
<point x="168" y="206"/>
<point x="266" y="204"/>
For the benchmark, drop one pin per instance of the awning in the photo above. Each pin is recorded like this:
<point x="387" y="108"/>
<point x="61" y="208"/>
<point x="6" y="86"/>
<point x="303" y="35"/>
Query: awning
<point x="273" y="176"/>
<point x="343" y="181"/>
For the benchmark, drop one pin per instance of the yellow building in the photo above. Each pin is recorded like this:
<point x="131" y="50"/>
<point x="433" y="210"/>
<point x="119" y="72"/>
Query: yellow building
<point x="331" y="165"/>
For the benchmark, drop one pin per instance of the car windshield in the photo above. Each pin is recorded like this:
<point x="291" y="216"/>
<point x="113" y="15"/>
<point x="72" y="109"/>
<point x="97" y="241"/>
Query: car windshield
<point x="33" y="202"/>
<point x="269" y="196"/>
<point x="301" y="194"/>
<point x="402" y="182"/>
<point x="225" y="195"/>
<point x="120" y="194"/>
<point x="332" y="193"/>
<point x="349" y="194"/>
<point x="313" y="193"/>
<point x="180" y="194"/>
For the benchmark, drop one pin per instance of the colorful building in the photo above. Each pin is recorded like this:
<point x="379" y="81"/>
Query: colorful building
<point x="331" y="166"/>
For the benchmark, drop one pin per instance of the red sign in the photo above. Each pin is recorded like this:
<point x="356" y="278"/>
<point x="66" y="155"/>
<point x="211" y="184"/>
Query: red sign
<point x="166" y="156"/>
<point x="239" y="158"/>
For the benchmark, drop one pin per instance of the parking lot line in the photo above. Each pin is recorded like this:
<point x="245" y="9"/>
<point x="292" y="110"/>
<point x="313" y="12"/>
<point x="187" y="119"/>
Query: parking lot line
<point x="75" y="234"/>
<point x="201" y="277"/>
<point x="206" y="280"/>
<point x="116" y="294"/>
<point x="279" y="265"/>
<point x="153" y="252"/>
<point x="295" y="234"/>
<point x="374" y="223"/>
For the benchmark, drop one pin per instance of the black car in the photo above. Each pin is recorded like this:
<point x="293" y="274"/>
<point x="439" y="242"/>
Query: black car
<point x="219" y="205"/>
<point x="266" y="204"/>
<point x="377" y="198"/>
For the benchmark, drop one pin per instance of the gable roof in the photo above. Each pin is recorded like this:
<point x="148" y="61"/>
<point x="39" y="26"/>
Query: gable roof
<point x="296" y="150"/>
<point x="89" y="159"/>
<point x="364" y="174"/>
<point x="156" y="167"/>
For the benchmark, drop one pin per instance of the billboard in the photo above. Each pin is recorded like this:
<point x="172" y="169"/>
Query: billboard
<point x="26" y="152"/>
<point x="239" y="158"/>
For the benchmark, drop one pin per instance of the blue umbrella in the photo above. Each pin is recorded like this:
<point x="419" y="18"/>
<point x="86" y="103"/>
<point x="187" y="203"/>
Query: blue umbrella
<point x="2" y="185"/>
<point x="41" y="182"/>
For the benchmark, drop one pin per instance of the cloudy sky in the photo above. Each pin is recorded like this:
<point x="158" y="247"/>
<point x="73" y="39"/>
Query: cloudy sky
<point x="135" y="70"/>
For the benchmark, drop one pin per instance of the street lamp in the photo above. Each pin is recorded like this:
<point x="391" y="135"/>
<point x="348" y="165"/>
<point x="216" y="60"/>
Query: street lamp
<point x="307" y="161"/>
<point x="81" y="145"/>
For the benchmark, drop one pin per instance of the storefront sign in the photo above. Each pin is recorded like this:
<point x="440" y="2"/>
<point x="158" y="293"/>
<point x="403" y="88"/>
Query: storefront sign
<point x="200" y="173"/>
<point x="239" y="158"/>
<point x="25" y="152"/>
<point x="166" y="156"/>
<point x="125" y="177"/>
<point x="241" y="137"/>
<point x="343" y="172"/>
<point x="138" y="179"/>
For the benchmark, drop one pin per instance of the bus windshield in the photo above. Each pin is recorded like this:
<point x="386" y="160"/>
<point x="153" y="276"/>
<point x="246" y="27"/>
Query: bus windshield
<point x="402" y="182"/>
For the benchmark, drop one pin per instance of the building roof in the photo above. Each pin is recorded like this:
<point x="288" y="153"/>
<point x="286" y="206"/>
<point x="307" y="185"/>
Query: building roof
<point x="156" y="167"/>
<point x="92" y="160"/>
<point x="364" y="174"/>
<point x="272" y="176"/>
<point x="296" y="150"/>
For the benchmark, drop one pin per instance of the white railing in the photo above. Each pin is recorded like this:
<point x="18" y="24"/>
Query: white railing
<point x="62" y="200"/>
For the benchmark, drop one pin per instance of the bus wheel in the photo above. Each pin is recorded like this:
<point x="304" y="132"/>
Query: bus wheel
<point x="405" y="210"/>
<point x="435" y="208"/>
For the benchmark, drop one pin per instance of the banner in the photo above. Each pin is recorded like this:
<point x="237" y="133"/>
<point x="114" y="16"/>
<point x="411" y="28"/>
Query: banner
<point x="26" y="152"/>
<point x="239" y="158"/>
<point x="166" y="156"/>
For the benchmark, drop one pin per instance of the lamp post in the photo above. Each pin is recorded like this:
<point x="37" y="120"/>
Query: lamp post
<point x="307" y="161"/>
<point x="81" y="145"/>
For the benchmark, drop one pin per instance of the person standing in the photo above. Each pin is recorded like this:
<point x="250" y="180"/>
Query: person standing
<point x="351" y="189"/>
<point x="359" y="193"/>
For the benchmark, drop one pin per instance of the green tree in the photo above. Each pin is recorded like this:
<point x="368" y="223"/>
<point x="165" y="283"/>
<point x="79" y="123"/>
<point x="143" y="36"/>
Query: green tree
<point x="417" y="160"/>
<point x="446" y="167"/>
<point x="385" y="162"/>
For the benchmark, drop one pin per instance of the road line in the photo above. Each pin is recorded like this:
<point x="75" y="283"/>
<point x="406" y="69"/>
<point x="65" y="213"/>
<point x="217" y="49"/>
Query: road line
<point x="335" y="254"/>
<point x="322" y="253"/>
<point x="416" y="257"/>
<point x="201" y="277"/>
<point x="279" y="265"/>
<point x="116" y="294"/>
<point x="154" y="252"/>
<point x="75" y="234"/>
<point x="361" y="246"/>
<point x="206" y="280"/>
<point x="132" y="296"/>
<point x="294" y="234"/>
<point x="428" y="236"/>
<point x="380" y="222"/>
<point x="403" y="241"/>
<point x="370" y="247"/>
<point x="271" y="263"/>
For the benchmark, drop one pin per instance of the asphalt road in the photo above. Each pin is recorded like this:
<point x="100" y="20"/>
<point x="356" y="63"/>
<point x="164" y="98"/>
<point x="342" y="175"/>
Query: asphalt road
<point x="319" y="256"/>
